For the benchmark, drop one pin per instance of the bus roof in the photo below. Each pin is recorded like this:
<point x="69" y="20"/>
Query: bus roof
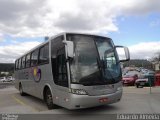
<point x="54" y="36"/>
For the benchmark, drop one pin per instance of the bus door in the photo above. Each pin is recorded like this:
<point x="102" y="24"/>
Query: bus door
<point x="61" y="77"/>
<point x="59" y="66"/>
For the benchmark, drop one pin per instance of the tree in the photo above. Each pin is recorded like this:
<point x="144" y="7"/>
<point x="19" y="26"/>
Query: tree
<point x="156" y="57"/>
<point x="2" y="75"/>
<point x="139" y="63"/>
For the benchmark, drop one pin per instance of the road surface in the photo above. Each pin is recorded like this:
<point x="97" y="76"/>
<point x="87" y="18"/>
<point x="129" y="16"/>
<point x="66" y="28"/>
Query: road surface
<point x="134" y="100"/>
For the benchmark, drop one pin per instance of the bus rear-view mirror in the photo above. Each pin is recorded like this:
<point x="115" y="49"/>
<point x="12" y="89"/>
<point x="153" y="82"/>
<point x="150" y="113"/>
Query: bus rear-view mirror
<point x="70" y="48"/>
<point x="123" y="53"/>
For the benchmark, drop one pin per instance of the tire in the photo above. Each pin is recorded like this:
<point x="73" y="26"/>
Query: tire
<point x="21" y="90"/>
<point x="48" y="99"/>
<point x="137" y="85"/>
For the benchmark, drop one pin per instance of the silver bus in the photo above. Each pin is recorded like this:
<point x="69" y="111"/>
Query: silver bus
<point x="72" y="70"/>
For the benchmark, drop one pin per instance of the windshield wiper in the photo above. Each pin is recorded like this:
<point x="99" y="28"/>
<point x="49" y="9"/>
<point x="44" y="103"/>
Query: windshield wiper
<point x="92" y="79"/>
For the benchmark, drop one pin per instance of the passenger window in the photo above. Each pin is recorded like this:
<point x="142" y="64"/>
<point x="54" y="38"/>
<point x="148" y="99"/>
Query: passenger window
<point x="44" y="54"/>
<point x="19" y="65"/>
<point x="28" y="60"/>
<point x="34" y="57"/>
<point x="23" y="62"/>
<point x="61" y="69"/>
<point x="16" y="65"/>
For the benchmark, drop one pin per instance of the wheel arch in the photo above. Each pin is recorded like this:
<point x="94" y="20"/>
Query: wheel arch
<point x="47" y="86"/>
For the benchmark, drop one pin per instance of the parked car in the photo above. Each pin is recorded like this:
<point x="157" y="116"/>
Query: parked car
<point x="129" y="79"/>
<point x="141" y="81"/>
<point x="150" y="72"/>
<point x="2" y="79"/>
<point x="144" y="71"/>
<point x="146" y="80"/>
<point x="10" y="78"/>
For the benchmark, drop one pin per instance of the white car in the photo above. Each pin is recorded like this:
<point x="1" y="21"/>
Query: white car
<point x="3" y="79"/>
<point x="10" y="78"/>
<point x="141" y="81"/>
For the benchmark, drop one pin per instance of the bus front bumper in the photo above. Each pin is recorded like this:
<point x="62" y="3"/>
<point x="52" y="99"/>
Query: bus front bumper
<point x="85" y="101"/>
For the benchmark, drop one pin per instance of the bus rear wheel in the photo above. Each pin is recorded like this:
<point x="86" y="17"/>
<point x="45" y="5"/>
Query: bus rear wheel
<point x="21" y="90"/>
<point x="48" y="99"/>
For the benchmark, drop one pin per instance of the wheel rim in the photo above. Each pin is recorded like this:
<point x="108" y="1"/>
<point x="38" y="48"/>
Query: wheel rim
<point x="49" y="98"/>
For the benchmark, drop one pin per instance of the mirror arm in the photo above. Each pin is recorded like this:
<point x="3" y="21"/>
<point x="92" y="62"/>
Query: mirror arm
<point x="124" y="60"/>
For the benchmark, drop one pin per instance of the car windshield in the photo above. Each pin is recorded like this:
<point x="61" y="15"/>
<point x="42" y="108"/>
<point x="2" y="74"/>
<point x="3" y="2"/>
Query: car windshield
<point x="142" y="77"/>
<point x="95" y="60"/>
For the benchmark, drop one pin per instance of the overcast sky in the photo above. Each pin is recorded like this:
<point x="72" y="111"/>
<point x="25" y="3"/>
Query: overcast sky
<point x="133" y="23"/>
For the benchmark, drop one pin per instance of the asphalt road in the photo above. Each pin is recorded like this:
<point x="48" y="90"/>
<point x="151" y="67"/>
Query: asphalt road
<point x="134" y="100"/>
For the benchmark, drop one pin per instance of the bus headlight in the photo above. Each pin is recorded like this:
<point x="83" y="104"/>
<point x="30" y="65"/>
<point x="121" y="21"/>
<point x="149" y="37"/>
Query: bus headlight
<point x="78" y="91"/>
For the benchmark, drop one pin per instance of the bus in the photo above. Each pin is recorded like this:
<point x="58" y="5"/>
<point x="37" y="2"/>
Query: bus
<point x="72" y="70"/>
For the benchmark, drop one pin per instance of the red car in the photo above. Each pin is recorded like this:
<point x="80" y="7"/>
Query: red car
<point x="129" y="80"/>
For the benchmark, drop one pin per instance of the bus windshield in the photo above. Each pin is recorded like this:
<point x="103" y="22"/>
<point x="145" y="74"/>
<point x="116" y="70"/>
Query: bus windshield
<point x="95" y="61"/>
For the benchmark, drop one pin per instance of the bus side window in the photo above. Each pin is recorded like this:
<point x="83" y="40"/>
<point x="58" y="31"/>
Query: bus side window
<point x="23" y="62"/>
<point x="28" y="60"/>
<point x="16" y="66"/>
<point x="44" y="54"/>
<point x="34" y="57"/>
<point x="19" y="66"/>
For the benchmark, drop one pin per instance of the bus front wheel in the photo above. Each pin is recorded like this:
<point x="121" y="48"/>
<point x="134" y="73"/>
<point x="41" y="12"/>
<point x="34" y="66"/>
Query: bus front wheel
<point x="48" y="99"/>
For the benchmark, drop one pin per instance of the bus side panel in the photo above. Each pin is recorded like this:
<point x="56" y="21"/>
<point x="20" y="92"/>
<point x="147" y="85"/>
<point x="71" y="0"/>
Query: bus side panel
<point x="45" y="78"/>
<point x="16" y="81"/>
<point x="24" y="78"/>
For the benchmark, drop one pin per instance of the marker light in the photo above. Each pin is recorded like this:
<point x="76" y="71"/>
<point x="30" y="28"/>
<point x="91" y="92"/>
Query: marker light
<point x="119" y="88"/>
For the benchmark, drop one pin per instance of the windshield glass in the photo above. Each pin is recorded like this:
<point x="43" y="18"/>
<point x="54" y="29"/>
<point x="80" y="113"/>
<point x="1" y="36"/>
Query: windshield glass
<point x="142" y="77"/>
<point x="94" y="62"/>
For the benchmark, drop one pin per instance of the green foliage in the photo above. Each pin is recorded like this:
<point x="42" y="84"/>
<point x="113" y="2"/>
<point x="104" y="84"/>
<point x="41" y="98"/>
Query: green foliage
<point x="139" y="63"/>
<point x="2" y="75"/>
<point x="7" y="67"/>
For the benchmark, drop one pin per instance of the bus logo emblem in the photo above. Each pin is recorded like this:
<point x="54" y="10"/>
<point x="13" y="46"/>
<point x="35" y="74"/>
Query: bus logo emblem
<point x="36" y="72"/>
